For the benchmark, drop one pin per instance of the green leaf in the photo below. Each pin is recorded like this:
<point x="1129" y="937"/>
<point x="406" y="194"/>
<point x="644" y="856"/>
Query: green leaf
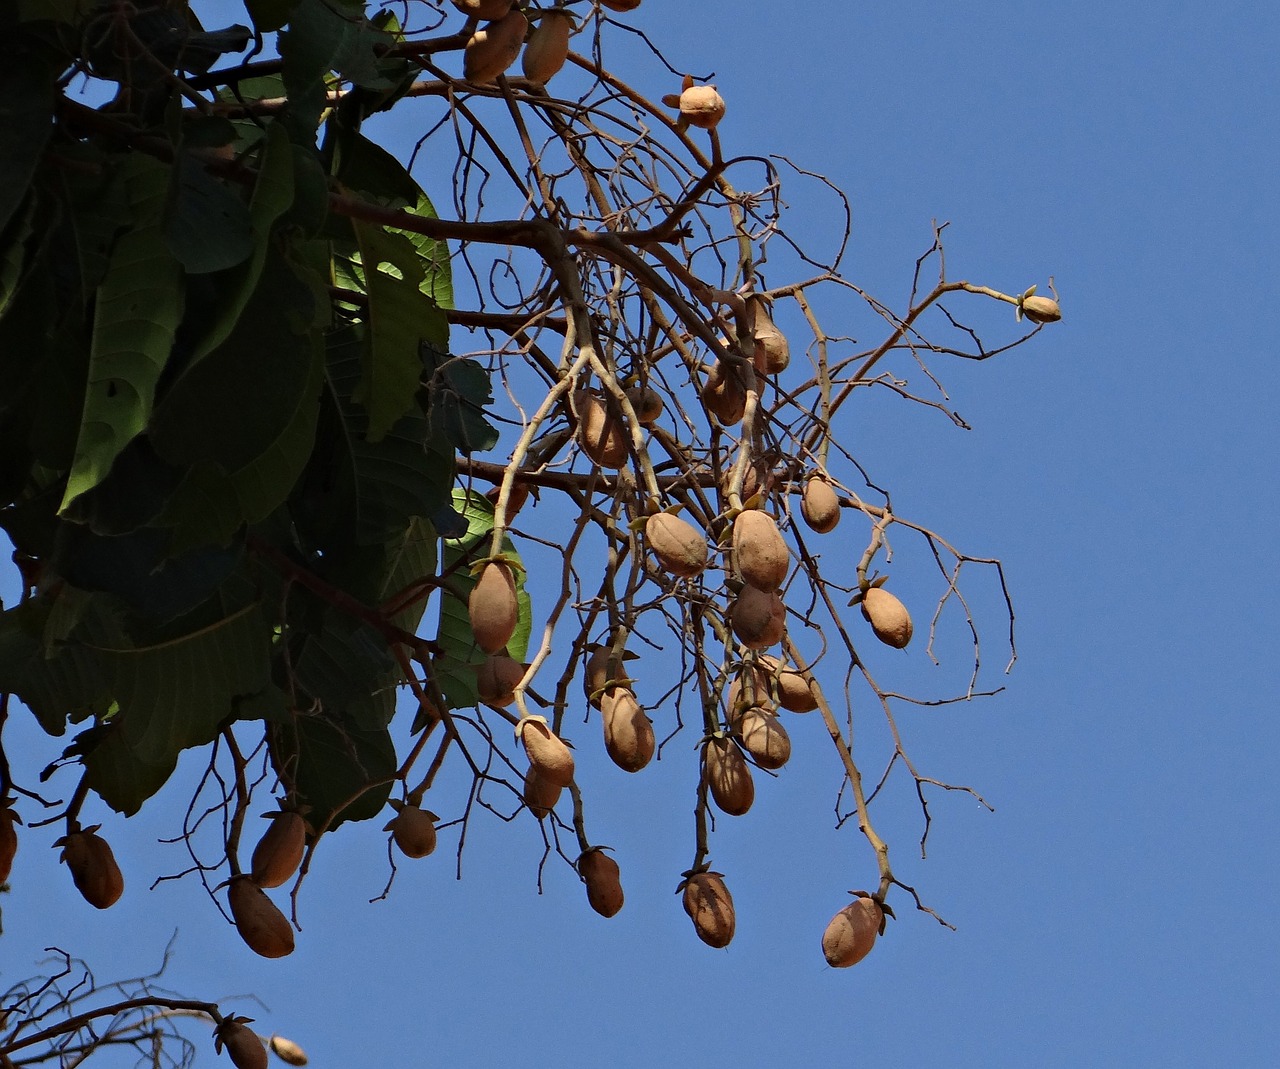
<point x="27" y="94"/>
<point x="269" y="15"/>
<point x="340" y="771"/>
<point x="347" y="668"/>
<point x="139" y="306"/>
<point x="459" y="392"/>
<point x="208" y="227"/>
<point x="119" y="776"/>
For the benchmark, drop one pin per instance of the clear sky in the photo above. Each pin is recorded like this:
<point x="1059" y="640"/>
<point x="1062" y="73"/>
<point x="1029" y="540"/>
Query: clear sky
<point x="1118" y="907"/>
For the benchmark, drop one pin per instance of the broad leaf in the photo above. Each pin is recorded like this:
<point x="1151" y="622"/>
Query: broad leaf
<point x="208" y="227"/>
<point x="27" y="95"/>
<point x="341" y="772"/>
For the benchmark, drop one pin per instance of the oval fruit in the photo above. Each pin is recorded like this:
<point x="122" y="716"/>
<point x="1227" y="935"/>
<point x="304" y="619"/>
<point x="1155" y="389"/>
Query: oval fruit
<point x="602" y="435"/>
<point x="750" y="687"/>
<point x="764" y="737"/>
<point x="548" y="45"/>
<point x="287" y="1051"/>
<point x="496" y="679"/>
<point x="647" y="402"/>
<point x="279" y="852"/>
<point x="604" y="884"/>
<point x="680" y="547"/>
<point x="484" y="9"/>
<point x="1041" y="309"/>
<point x="723" y="395"/>
<point x="794" y="693"/>
<point x="628" y="733"/>
<point x="758" y="617"/>
<point x="546" y="751"/>
<point x="888" y="617"/>
<point x="93" y="867"/>
<point x="620" y="5"/>
<point x="701" y="106"/>
<point x="261" y="925"/>
<point x="852" y="932"/>
<point x="759" y="553"/>
<point x="727" y="776"/>
<point x="710" y="907"/>
<point x="493" y="607"/>
<point x="242" y="1044"/>
<point x="772" y="353"/>
<point x="494" y="48"/>
<point x="8" y="840"/>
<point x="819" y="505"/>
<point x="413" y="829"/>
<point x="540" y="795"/>
<point x="597" y="675"/>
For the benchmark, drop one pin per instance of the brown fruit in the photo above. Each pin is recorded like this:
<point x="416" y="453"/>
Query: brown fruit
<point x="604" y="886"/>
<point x="93" y="867"/>
<point x="852" y="932"/>
<point x="515" y="500"/>
<point x="758" y="617"/>
<point x="701" y="106"/>
<point x="819" y="505"/>
<point x="759" y="553"/>
<point x="260" y="924"/>
<point x="413" y="829"/>
<point x="496" y="679"/>
<point x="723" y="395"/>
<point x="243" y="1045"/>
<point x="750" y="687"/>
<point x="794" y="692"/>
<point x="287" y="1051"/>
<point x="8" y="839"/>
<point x="888" y="617"/>
<point x="539" y="795"/>
<point x="1041" y="309"/>
<point x="727" y="776"/>
<point x="493" y="608"/>
<point x="764" y="737"/>
<point x="546" y="751"/>
<point x="680" y="547"/>
<point x="597" y="674"/>
<point x="493" y="48"/>
<point x="279" y="852"/>
<point x="484" y="9"/>
<point x="647" y="402"/>
<point x="628" y="733"/>
<point x="620" y="5"/>
<point x="772" y="353"/>
<point x="710" y="907"/>
<point x="602" y="435"/>
<point x="548" y="45"/>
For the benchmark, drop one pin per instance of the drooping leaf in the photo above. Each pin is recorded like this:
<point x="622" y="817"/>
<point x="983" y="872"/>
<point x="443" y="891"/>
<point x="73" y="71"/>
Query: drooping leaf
<point x="118" y="775"/>
<point x="346" y="667"/>
<point x="459" y="391"/>
<point x="342" y="772"/>
<point x="28" y="89"/>
<point x="208" y="226"/>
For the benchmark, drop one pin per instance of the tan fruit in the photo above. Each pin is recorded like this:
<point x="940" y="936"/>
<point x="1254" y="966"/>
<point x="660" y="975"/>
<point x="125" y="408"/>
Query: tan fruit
<point x="1041" y="309"/>
<point x="772" y="353"/>
<point x="723" y="395"/>
<point x="820" y="506"/>
<point x="287" y="1051"/>
<point x="794" y="692"/>
<point x="493" y="48"/>
<point x="515" y="501"/>
<point x="710" y="907"/>
<point x="759" y="553"/>
<point x="756" y="478"/>
<point x="750" y="687"/>
<point x="261" y="925"/>
<point x="628" y="733"/>
<point x="539" y="795"/>
<point x="548" y="45"/>
<point x="758" y="617"/>
<point x="727" y="776"/>
<point x="888" y="617"/>
<point x="93" y="867"/>
<point x="647" y="402"/>
<point x="483" y="9"/>
<point x="597" y="675"/>
<point x="496" y="679"/>
<point x="413" y="829"/>
<point x="701" y="106"/>
<point x="604" y="885"/>
<point x="680" y="547"/>
<point x="764" y="737"/>
<point x="279" y="852"/>
<point x="493" y="608"/>
<point x="602" y="435"/>
<point x="546" y="751"/>
<point x="245" y="1048"/>
<point x="8" y="839"/>
<point x="852" y="932"/>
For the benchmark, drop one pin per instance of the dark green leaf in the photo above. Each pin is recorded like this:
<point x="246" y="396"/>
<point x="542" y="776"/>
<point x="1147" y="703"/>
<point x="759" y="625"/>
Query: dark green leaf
<point x="269" y="15"/>
<point x="340" y="771"/>
<point x="27" y="94"/>
<point x="208" y="227"/>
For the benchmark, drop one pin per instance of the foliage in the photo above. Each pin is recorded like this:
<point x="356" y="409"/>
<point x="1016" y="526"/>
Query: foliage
<point x="240" y="460"/>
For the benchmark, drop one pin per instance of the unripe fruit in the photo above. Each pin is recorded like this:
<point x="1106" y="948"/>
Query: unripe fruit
<point x="261" y="925"/>
<point x="680" y="547"/>
<point x="710" y="907"/>
<point x="888" y="617"/>
<point x="723" y="395"/>
<point x="727" y="776"/>
<point x="602" y="435"/>
<point x="93" y="867"/>
<point x="759" y="553"/>
<point x="852" y="932"/>
<point x="628" y="733"/>
<point x="604" y="886"/>
<point x="8" y="839"/>
<point x="819" y="505"/>
<point x="539" y="795"/>
<point x="413" y="829"/>
<point x="794" y="693"/>
<point x="493" y="608"/>
<point x="287" y="1051"/>
<point x="758" y="617"/>
<point x="647" y="402"/>
<point x="764" y="737"/>
<point x="701" y="106"/>
<point x="494" y="48"/>
<point x="279" y="852"/>
<point x="772" y="353"/>
<point x="597" y="676"/>
<point x="1041" y="309"/>
<point x="548" y="45"/>
<point x="483" y="9"/>
<point x="496" y="679"/>
<point x="546" y="751"/>
<point x="243" y="1045"/>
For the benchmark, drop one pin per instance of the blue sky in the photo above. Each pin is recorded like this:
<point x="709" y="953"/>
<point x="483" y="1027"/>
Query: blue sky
<point x="1116" y="909"/>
